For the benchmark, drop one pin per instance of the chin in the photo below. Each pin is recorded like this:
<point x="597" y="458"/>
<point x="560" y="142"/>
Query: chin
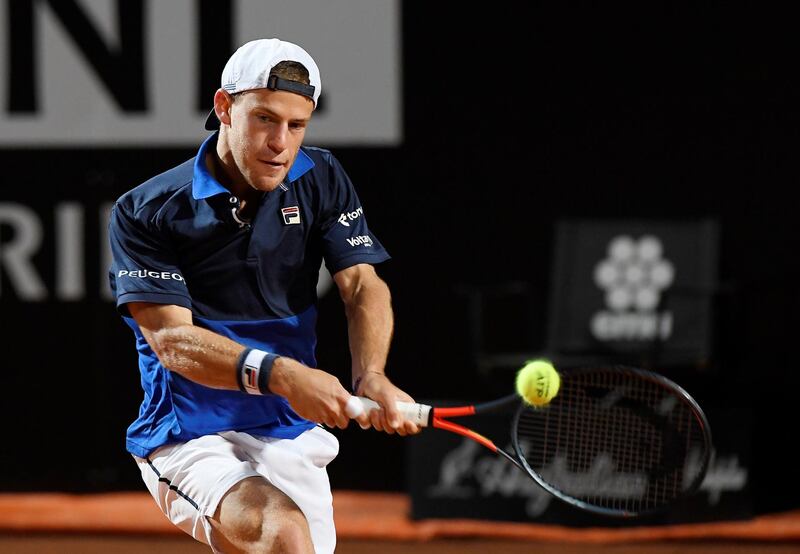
<point x="266" y="184"/>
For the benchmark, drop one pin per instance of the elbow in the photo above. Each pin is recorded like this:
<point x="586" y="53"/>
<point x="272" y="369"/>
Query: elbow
<point x="170" y="345"/>
<point x="386" y="294"/>
<point x="383" y="290"/>
<point x="371" y="294"/>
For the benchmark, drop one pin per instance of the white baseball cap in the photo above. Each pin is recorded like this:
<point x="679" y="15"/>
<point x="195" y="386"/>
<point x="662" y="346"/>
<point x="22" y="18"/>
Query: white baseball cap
<point x="250" y="66"/>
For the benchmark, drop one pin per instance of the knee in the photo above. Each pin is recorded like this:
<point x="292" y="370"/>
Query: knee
<point x="274" y="529"/>
<point x="254" y="516"/>
<point x="290" y="533"/>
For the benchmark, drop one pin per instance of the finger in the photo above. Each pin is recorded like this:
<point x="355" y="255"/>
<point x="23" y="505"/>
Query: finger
<point x="362" y="417"/>
<point x="385" y="424"/>
<point x="411" y="428"/>
<point x="389" y="426"/>
<point x="338" y="415"/>
<point x="405" y="428"/>
<point x="376" y="420"/>
<point x="392" y="416"/>
<point x="408" y="428"/>
<point x="363" y="421"/>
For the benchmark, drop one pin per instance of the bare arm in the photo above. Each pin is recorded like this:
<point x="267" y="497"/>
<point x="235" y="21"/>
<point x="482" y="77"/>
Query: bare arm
<point x="370" y="323"/>
<point x="195" y="353"/>
<point x="210" y="359"/>
<point x="370" y="320"/>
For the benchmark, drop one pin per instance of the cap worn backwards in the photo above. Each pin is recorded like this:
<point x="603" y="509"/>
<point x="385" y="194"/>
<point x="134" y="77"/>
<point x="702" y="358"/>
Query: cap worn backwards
<point x="250" y="66"/>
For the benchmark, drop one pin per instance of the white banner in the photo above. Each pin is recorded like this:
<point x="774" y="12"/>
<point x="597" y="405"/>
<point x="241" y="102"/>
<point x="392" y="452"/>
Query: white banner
<point x="89" y="73"/>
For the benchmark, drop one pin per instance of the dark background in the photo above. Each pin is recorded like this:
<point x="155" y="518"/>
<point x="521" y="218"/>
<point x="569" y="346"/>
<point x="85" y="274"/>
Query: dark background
<point x="512" y="121"/>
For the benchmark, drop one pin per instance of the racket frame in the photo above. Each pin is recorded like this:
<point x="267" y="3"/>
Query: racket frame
<point x="678" y="391"/>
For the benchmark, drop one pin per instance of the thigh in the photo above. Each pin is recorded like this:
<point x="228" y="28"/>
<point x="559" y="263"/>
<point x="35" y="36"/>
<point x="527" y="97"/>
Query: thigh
<point x="298" y="468"/>
<point x="189" y="480"/>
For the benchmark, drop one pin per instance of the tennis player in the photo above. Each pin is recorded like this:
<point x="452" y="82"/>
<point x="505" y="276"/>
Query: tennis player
<point x="215" y="266"/>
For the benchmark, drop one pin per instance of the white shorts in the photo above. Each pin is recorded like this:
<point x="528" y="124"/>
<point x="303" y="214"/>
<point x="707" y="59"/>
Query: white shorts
<point x="188" y="480"/>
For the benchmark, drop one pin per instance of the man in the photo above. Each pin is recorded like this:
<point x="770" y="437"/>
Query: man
<point x="215" y="265"/>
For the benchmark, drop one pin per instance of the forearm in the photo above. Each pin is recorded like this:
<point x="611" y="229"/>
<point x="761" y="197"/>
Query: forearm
<point x="212" y="360"/>
<point x="370" y="324"/>
<point x="198" y="354"/>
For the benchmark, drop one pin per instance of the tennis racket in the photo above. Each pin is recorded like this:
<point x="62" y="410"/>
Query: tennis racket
<point x="616" y="441"/>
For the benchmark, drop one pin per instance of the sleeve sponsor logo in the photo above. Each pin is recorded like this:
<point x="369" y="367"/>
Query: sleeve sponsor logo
<point x="361" y="240"/>
<point x="351" y="216"/>
<point x="149" y="274"/>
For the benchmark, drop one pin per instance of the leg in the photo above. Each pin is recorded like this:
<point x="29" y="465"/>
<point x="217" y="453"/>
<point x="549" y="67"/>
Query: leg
<point x="254" y="516"/>
<point x="226" y="488"/>
<point x="297" y="467"/>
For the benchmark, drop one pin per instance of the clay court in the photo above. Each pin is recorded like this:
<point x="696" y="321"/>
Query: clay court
<point x="368" y="523"/>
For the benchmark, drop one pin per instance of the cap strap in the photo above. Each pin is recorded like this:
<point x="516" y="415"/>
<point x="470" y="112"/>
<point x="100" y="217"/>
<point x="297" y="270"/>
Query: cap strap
<point x="276" y="83"/>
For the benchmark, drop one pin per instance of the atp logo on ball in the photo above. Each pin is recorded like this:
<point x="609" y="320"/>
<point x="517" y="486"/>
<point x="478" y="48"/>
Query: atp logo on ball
<point x="633" y="277"/>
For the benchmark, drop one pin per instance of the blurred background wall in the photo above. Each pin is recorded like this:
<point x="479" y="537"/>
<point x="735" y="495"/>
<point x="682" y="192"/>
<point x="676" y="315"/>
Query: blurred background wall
<point x="468" y="139"/>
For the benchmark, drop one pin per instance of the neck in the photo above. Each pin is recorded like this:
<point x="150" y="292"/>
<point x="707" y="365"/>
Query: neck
<point x="224" y="169"/>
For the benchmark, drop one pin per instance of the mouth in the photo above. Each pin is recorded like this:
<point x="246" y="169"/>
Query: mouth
<point x="271" y="167"/>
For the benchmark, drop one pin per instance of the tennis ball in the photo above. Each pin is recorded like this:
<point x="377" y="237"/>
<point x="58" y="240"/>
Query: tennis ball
<point x="538" y="382"/>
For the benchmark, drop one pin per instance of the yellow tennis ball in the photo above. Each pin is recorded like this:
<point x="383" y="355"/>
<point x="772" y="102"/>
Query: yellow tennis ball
<point x="538" y="382"/>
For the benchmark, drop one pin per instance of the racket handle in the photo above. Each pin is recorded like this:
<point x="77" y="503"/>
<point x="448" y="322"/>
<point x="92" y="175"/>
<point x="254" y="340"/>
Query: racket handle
<point x="417" y="413"/>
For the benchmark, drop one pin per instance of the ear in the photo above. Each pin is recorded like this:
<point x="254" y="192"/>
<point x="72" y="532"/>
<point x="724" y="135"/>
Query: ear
<point x="222" y="106"/>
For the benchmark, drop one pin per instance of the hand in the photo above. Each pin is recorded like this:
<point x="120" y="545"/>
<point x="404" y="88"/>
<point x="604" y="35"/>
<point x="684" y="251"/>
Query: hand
<point x="312" y="393"/>
<point x="378" y="387"/>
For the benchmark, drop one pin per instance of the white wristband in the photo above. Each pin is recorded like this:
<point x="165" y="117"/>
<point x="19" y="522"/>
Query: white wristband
<point x="251" y="368"/>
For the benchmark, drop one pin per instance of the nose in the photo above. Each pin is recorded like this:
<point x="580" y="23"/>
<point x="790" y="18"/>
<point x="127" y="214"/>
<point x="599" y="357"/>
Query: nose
<point x="278" y="139"/>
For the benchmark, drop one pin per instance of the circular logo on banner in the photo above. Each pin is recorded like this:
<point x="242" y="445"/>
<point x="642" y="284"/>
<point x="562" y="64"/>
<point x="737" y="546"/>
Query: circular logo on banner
<point x="633" y="276"/>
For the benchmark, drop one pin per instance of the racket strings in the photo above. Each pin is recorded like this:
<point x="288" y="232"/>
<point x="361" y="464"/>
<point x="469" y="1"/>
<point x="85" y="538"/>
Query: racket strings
<point x="613" y="441"/>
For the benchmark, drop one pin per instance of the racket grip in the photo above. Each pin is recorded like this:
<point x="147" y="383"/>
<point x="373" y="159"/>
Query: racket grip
<point x="416" y="413"/>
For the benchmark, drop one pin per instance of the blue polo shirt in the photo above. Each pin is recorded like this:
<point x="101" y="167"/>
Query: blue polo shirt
<point x="176" y="240"/>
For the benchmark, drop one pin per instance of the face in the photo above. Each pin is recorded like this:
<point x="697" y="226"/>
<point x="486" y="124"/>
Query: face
<point x="263" y="130"/>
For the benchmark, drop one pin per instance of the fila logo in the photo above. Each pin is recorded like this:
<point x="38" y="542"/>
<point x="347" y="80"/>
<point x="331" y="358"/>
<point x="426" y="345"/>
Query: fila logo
<point x="360" y="240"/>
<point x="358" y="212"/>
<point x="291" y="215"/>
<point x="251" y="377"/>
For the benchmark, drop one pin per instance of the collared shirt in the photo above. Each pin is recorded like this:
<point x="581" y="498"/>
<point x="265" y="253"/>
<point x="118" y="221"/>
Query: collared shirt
<point x="176" y="239"/>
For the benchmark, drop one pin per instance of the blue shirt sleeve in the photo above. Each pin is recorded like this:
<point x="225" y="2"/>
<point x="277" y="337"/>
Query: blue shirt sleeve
<point x="346" y="239"/>
<point x="143" y="267"/>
